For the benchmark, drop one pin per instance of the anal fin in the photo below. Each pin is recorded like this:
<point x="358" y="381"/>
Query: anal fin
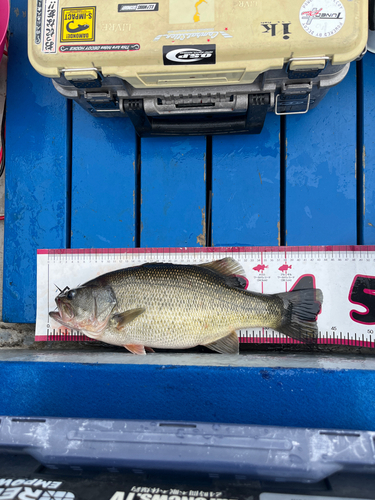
<point x="135" y="349"/>
<point x="225" y="345"/>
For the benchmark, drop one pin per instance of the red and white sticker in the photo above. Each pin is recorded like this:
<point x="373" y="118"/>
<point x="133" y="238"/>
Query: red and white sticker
<point x="106" y="47"/>
<point x="322" y="18"/>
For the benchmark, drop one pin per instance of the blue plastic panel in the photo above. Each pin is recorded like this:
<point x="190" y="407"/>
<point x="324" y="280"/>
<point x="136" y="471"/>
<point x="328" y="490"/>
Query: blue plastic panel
<point x="36" y="173"/>
<point x="173" y="203"/>
<point x="262" y="452"/>
<point x="246" y="187"/>
<point x="320" y="175"/>
<point x="103" y="181"/>
<point x="337" y="399"/>
<point x="369" y="148"/>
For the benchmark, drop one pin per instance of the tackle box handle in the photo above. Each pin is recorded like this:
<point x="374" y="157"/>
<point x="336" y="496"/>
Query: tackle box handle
<point x="148" y="126"/>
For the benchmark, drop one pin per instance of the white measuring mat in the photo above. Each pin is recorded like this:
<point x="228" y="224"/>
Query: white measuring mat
<point x="345" y="274"/>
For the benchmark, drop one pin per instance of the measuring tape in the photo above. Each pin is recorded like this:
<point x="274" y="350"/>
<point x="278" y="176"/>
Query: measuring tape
<point x="345" y="274"/>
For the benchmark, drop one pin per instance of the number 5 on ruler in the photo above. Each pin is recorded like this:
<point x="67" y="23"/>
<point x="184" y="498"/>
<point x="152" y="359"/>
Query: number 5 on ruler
<point x="362" y="292"/>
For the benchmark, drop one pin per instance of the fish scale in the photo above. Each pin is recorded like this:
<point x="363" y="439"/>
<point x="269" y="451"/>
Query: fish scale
<point x="181" y="306"/>
<point x="184" y="307"/>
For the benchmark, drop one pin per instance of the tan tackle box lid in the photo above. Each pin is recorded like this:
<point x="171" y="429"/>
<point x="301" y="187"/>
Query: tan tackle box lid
<point x="191" y="42"/>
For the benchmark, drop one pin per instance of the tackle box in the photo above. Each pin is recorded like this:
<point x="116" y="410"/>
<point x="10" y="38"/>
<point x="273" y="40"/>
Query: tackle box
<point x="93" y="459"/>
<point x="193" y="67"/>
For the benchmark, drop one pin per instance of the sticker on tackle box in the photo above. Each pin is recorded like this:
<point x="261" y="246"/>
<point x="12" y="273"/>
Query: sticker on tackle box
<point x="38" y="22"/>
<point x="78" y="24"/>
<point x="191" y="11"/>
<point x="50" y="26"/>
<point x="322" y="18"/>
<point x="138" y="7"/>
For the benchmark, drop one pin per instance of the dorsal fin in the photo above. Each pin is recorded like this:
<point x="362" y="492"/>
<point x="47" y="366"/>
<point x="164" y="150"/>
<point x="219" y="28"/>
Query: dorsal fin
<point x="225" y="267"/>
<point x="232" y="272"/>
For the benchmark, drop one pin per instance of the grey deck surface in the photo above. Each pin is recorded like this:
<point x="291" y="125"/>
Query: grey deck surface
<point x="322" y="361"/>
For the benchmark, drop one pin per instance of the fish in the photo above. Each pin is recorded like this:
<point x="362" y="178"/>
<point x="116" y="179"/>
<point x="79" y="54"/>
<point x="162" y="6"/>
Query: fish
<point x="178" y="306"/>
<point x="80" y="27"/>
<point x="260" y="267"/>
<point x="285" y="267"/>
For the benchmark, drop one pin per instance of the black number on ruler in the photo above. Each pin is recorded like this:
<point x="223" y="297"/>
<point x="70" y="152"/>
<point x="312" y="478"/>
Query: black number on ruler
<point x="362" y="292"/>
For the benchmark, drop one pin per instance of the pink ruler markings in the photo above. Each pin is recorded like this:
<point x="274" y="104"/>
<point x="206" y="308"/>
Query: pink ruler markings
<point x="249" y="337"/>
<point x="362" y="249"/>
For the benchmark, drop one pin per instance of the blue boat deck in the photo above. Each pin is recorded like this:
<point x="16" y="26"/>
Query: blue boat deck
<point x="74" y="181"/>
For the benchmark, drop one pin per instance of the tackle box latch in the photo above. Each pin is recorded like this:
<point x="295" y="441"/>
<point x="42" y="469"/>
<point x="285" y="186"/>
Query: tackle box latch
<point x="293" y="96"/>
<point x="305" y="67"/>
<point x="101" y="101"/>
<point x="83" y="77"/>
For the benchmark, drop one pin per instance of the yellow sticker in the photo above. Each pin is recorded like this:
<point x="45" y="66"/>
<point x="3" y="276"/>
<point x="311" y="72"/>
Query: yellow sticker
<point x="78" y="24"/>
<point x="191" y="11"/>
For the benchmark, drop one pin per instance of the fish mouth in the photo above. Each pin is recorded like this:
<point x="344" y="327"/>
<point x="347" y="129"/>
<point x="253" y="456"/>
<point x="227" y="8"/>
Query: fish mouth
<point x="64" y="314"/>
<point x="56" y="316"/>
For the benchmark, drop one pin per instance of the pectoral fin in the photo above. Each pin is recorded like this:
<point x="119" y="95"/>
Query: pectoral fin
<point x="135" y="349"/>
<point x="120" y="320"/>
<point x="225" y="345"/>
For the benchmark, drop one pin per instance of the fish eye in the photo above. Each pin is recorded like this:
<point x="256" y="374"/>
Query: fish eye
<point x="71" y="294"/>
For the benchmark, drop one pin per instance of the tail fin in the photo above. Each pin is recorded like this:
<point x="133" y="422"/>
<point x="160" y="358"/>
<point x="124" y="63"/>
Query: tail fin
<point x="301" y="309"/>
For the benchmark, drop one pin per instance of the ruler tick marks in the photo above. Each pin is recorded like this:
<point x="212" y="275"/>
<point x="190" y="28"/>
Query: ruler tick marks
<point x="332" y="268"/>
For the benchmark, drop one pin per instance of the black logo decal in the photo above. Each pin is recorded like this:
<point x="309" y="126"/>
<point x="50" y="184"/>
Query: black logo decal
<point x="193" y="54"/>
<point x="276" y="29"/>
<point x="138" y="7"/>
<point x="80" y="27"/>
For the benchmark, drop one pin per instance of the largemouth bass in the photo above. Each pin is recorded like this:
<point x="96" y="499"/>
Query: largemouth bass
<point x="181" y="306"/>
